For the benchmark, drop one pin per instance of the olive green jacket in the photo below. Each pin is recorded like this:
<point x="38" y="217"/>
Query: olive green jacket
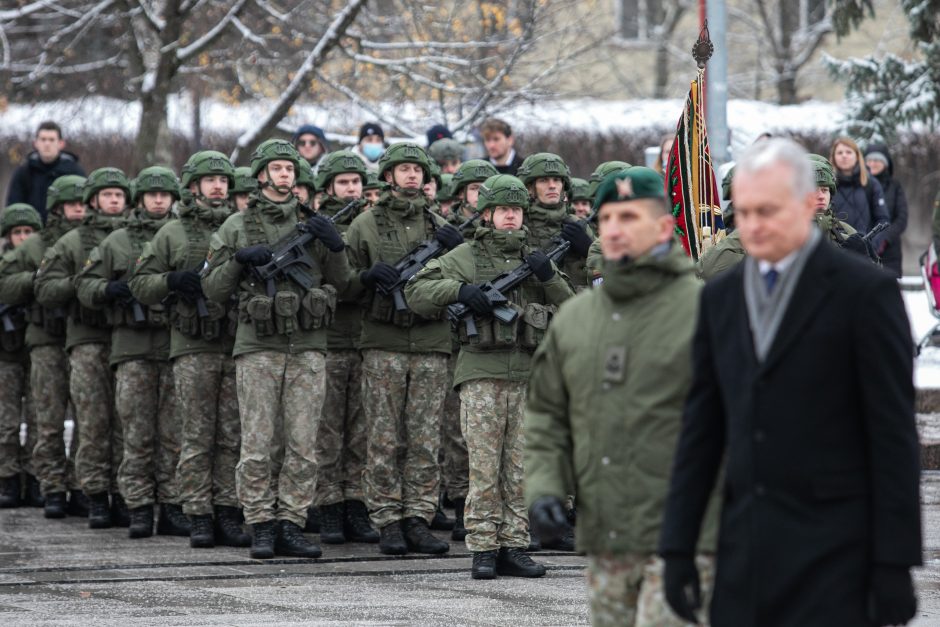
<point x="606" y="397"/>
<point x="407" y="224"/>
<point x="727" y="253"/>
<point x="346" y="329"/>
<point x="226" y="276"/>
<point x="544" y="224"/>
<point x="437" y="286"/>
<point x="114" y="260"/>
<point x="55" y="280"/>
<point x="171" y="250"/>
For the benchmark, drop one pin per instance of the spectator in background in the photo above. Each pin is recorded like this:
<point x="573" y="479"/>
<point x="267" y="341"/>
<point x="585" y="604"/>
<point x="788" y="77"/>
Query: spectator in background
<point x="665" y="147"/>
<point x="499" y="141"/>
<point x="859" y="199"/>
<point x="371" y="145"/>
<point x="48" y="161"/>
<point x="881" y="167"/>
<point x="310" y="141"/>
<point x="438" y="131"/>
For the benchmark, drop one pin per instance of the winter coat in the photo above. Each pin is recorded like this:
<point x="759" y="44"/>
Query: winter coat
<point x="344" y="333"/>
<point x="544" y="224"/>
<point x="861" y="206"/>
<point x="31" y="180"/>
<point x="896" y="201"/>
<point x="727" y="253"/>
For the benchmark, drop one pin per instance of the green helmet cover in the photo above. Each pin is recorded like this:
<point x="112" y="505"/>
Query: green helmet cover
<point x="155" y="179"/>
<point x="64" y="189"/>
<point x="405" y="152"/>
<point x="305" y="175"/>
<point x="825" y="175"/>
<point x="207" y="163"/>
<point x="373" y="182"/>
<point x="473" y="171"/>
<point x="580" y="190"/>
<point x="19" y="214"/>
<point x="601" y="171"/>
<point x="245" y="183"/>
<point x="445" y="191"/>
<point x="503" y="190"/>
<point x="105" y="178"/>
<point x="446" y="149"/>
<point x="436" y="174"/>
<point x="340" y="162"/>
<point x="544" y="165"/>
<point x="273" y="150"/>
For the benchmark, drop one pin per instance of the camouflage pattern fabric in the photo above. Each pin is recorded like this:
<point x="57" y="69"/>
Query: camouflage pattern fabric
<point x="12" y="384"/>
<point x="403" y="398"/>
<point x="49" y="390"/>
<point x="210" y="431"/>
<point x="341" y="434"/>
<point x="270" y="382"/>
<point x="146" y="407"/>
<point x="455" y="470"/>
<point x="626" y="590"/>
<point x="101" y="447"/>
<point x="492" y="412"/>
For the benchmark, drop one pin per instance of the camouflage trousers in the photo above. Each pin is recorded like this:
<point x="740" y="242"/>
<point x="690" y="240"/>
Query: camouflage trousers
<point x="101" y="447"/>
<point x="626" y="590"/>
<point x="15" y="408"/>
<point x="211" y="432"/>
<point x="49" y="389"/>
<point x="341" y="434"/>
<point x="492" y="412"/>
<point x="455" y="471"/>
<point x="402" y="398"/>
<point x="272" y="384"/>
<point x="146" y="406"/>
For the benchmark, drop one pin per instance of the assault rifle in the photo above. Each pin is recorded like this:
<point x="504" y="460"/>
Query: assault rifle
<point x="878" y="228"/>
<point x="496" y="290"/>
<point x="202" y="311"/>
<point x="290" y="257"/>
<point x="136" y="309"/>
<point x="7" y="315"/>
<point x="583" y="222"/>
<point x="411" y="264"/>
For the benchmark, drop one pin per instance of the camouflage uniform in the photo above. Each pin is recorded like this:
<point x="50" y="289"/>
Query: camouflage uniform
<point x="14" y="456"/>
<point x="455" y="464"/>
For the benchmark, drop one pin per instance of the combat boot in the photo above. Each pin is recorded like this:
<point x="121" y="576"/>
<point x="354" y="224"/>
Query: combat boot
<point x="357" y="526"/>
<point x="228" y="527"/>
<point x="460" y="531"/>
<point x="55" y="505"/>
<point x="141" y="522"/>
<point x="201" y="536"/>
<point x="262" y="542"/>
<point x="99" y="511"/>
<point x="291" y="542"/>
<point x="78" y="504"/>
<point x="564" y="543"/>
<point x="33" y="492"/>
<point x="513" y="562"/>
<point x="331" y="523"/>
<point x="392" y="542"/>
<point x="484" y="565"/>
<point x="119" y="515"/>
<point x="172" y="521"/>
<point x="441" y="522"/>
<point x="10" y="492"/>
<point x="420" y="539"/>
<point x="313" y="520"/>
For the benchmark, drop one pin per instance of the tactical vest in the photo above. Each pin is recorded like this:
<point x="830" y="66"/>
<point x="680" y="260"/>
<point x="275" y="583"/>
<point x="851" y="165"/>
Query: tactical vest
<point x="184" y="316"/>
<point x="51" y="320"/>
<point x="89" y="238"/>
<point x="290" y="309"/>
<point x="132" y="313"/>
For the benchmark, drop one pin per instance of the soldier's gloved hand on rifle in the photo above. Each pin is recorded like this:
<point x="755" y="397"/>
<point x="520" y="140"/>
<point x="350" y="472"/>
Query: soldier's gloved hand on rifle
<point x="254" y="255"/>
<point x="380" y="274"/>
<point x="324" y="231"/>
<point x="858" y="244"/>
<point x="548" y="519"/>
<point x="117" y="290"/>
<point x="186" y="282"/>
<point x="474" y="298"/>
<point x="448" y="236"/>
<point x="577" y="235"/>
<point x="681" y="586"/>
<point x="541" y="266"/>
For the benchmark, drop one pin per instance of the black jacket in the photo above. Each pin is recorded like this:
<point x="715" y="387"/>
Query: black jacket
<point x="820" y="447"/>
<point x="511" y="166"/>
<point x="861" y="206"/>
<point x="896" y="202"/>
<point x="31" y="180"/>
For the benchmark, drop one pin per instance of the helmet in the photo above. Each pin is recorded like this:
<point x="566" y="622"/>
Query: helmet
<point x="825" y="176"/>
<point x="339" y="162"/>
<point x="405" y="152"/>
<point x="244" y="182"/>
<point x="503" y="190"/>
<point x="436" y="174"/>
<point x="207" y="163"/>
<point x="446" y="149"/>
<point x="473" y="171"/>
<point x="601" y="171"/>
<point x="19" y="214"/>
<point x="103" y="178"/>
<point x="373" y="182"/>
<point x="544" y="164"/>
<point x="445" y="191"/>
<point x="66" y="188"/>
<point x="273" y="150"/>
<point x="580" y="190"/>
<point x="155" y="179"/>
<point x="726" y="184"/>
<point x="305" y="175"/>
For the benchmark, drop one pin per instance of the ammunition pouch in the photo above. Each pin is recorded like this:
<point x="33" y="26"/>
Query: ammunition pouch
<point x="286" y="308"/>
<point x="14" y="340"/>
<point x="492" y="333"/>
<point x="317" y="308"/>
<point x="137" y="316"/>
<point x="52" y="321"/>
<point x="185" y="319"/>
<point x="89" y="317"/>
<point x="259" y="310"/>
<point x="534" y="324"/>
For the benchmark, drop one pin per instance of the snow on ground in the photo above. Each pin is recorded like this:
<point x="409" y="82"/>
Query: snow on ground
<point x="927" y="368"/>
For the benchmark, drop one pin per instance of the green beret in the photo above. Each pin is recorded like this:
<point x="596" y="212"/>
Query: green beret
<point x="630" y="184"/>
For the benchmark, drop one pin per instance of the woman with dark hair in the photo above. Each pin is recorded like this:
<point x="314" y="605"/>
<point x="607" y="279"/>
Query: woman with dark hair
<point x="859" y="199"/>
<point x="881" y="167"/>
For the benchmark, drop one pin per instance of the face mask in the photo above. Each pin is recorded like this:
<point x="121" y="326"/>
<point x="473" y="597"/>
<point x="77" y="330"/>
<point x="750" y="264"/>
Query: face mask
<point x="373" y="151"/>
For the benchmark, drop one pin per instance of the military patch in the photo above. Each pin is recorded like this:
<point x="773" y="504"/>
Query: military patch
<point x="411" y="152"/>
<point x="551" y="167"/>
<point x="615" y="364"/>
<point x="88" y="262"/>
<point x="625" y="188"/>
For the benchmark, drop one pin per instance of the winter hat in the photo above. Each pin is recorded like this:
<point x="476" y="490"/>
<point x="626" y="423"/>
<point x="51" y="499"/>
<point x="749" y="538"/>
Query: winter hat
<point x="877" y="156"/>
<point x="371" y="128"/>
<point x="316" y="131"/>
<point x="436" y="132"/>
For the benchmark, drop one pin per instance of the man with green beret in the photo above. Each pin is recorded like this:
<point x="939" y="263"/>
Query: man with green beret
<point x="605" y="402"/>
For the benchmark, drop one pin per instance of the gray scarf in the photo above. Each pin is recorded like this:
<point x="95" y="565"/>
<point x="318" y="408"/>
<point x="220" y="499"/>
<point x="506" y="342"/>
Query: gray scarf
<point x="765" y="311"/>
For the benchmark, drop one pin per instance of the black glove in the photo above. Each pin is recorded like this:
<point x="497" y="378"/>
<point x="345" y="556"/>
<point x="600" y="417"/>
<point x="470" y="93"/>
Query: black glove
<point x="548" y="519"/>
<point x="380" y="274"/>
<point x="448" y="236"/>
<point x="324" y="231"/>
<point x="681" y="586"/>
<point x="580" y="240"/>
<point x="254" y="255"/>
<point x="892" y="595"/>
<point x="541" y="266"/>
<point x="474" y="298"/>
<point x="117" y="289"/>
<point x="185" y="282"/>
